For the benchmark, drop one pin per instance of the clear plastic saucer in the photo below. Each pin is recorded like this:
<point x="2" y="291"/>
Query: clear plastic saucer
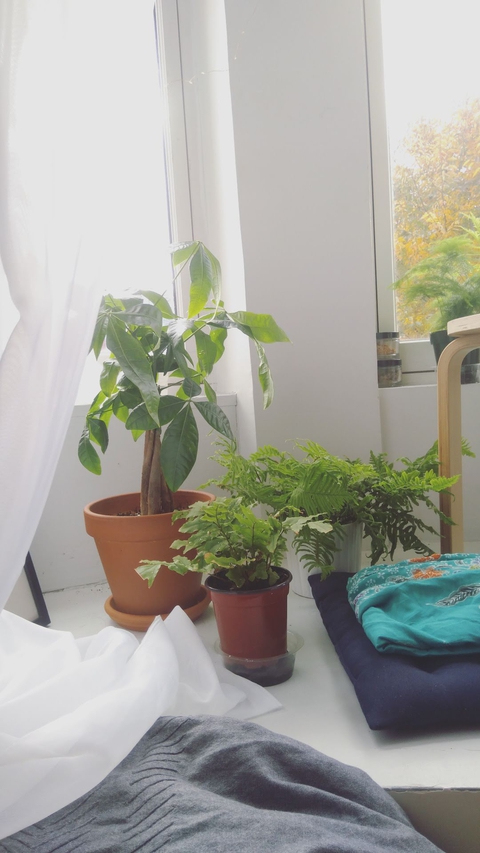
<point x="264" y="671"/>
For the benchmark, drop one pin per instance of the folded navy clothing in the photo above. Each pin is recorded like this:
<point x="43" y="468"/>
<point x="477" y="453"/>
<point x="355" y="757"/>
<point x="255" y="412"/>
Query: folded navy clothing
<point x="397" y="691"/>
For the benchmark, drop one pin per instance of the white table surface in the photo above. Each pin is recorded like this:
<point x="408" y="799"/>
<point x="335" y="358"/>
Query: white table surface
<point x="434" y="776"/>
<point x="321" y="709"/>
<point x="319" y="703"/>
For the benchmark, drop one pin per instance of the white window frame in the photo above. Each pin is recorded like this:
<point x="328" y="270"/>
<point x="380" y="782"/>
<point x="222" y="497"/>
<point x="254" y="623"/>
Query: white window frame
<point x="418" y="361"/>
<point x="177" y="164"/>
<point x="175" y="160"/>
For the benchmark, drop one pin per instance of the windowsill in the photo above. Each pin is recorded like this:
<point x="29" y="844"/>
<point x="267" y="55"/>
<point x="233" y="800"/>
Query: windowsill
<point x="227" y="398"/>
<point x="320" y="708"/>
<point x="411" y="383"/>
<point x="319" y="680"/>
<point x="90" y="384"/>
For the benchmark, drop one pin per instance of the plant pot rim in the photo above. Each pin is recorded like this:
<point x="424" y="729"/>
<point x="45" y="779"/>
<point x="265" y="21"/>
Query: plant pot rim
<point x="90" y="508"/>
<point x="285" y="579"/>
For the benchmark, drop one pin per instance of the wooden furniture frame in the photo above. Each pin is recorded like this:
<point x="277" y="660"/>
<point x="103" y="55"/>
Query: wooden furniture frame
<point x="450" y="434"/>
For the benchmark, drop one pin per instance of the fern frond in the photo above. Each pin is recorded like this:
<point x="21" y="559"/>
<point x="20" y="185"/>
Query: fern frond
<point x="319" y="491"/>
<point x="316" y="551"/>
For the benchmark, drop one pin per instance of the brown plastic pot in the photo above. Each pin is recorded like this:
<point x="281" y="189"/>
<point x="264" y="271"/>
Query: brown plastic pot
<point x="123" y="540"/>
<point x="252" y="624"/>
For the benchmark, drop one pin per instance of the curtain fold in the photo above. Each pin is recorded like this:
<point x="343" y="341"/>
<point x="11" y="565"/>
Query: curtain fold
<point x="82" y="205"/>
<point x="71" y="710"/>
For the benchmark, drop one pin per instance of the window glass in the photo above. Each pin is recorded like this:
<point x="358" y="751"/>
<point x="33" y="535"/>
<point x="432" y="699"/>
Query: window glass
<point x="432" y="89"/>
<point x="158" y="254"/>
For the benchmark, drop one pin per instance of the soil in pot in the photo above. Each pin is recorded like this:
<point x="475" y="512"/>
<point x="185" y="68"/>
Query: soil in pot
<point x="123" y="540"/>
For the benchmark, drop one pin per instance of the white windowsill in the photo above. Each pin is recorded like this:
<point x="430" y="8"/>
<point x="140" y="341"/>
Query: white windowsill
<point x="320" y="708"/>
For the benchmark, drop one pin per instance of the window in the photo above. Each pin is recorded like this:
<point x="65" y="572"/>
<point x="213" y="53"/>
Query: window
<point x="164" y="220"/>
<point x="424" y="86"/>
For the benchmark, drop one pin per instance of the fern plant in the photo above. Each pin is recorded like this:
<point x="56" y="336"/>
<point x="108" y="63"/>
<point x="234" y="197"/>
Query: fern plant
<point x="229" y="538"/>
<point x="338" y="491"/>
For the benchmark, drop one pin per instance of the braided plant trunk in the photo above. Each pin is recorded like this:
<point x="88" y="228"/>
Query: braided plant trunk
<point x="155" y="496"/>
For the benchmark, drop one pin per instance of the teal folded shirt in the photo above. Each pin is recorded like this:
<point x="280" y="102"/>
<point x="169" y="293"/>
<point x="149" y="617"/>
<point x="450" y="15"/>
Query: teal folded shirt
<point x="421" y="607"/>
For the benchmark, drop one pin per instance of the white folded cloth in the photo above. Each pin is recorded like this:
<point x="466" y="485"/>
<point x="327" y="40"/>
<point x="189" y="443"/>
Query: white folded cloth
<point x="72" y="709"/>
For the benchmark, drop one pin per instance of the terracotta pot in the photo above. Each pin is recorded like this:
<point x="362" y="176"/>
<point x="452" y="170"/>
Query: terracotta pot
<point x="251" y="624"/>
<point x="123" y="540"/>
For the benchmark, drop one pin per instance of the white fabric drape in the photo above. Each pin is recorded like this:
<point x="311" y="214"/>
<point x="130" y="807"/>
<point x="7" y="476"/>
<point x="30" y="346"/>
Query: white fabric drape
<point x="82" y="203"/>
<point x="82" y="195"/>
<point x="71" y="710"/>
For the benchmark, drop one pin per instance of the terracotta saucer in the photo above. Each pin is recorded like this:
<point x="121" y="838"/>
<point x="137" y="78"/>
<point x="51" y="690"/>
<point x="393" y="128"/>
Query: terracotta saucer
<point x="134" y="622"/>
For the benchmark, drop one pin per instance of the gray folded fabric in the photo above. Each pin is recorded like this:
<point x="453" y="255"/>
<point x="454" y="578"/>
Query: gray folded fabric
<point x="213" y="784"/>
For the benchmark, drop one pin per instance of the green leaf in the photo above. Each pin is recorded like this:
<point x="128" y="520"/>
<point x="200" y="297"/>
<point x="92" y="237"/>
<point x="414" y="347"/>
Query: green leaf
<point x="87" y="454"/>
<point x="169" y="407"/>
<point x="97" y="403"/>
<point x="263" y="326"/>
<point x="98" y="432"/>
<point x="130" y="397"/>
<point x="148" y="570"/>
<point x="179" y="448"/>
<point x="202" y="277"/>
<point x="139" y="419"/>
<point x="102" y="407"/>
<point x="216" y="275"/>
<point x="181" y="565"/>
<point x="206" y="352"/>
<point x="264" y="376"/>
<point x="142" y="315"/>
<point x="218" y="336"/>
<point x="108" y="377"/>
<point x="127" y="304"/>
<point x="160" y="302"/>
<point x="99" y="334"/>
<point x="182" y="252"/>
<point x="217" y="419"/>
<point x="134" y="363"/>
<point x="190" y="388"/>
<point x="209" y="392"/>
<point x="296" y="525"/>
<point x="120" y="411"/>
<point x="177" y="328"/>
<point x="319" y="490"/>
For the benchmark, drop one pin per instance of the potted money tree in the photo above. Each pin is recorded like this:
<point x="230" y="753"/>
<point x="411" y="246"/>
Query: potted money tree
<point x="154" y="377"/>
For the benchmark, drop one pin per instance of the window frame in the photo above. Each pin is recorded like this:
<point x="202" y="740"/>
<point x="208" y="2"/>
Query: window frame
<point x="177" y="165"/>
<point x="418" y="360"/>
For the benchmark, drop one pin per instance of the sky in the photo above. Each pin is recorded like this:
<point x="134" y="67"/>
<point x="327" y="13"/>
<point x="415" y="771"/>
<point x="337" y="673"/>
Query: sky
<point x="431" y="59"/>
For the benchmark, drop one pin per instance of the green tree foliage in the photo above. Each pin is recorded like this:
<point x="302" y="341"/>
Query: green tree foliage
<point x="435" y="188"/>
<point x="447" y="282"/>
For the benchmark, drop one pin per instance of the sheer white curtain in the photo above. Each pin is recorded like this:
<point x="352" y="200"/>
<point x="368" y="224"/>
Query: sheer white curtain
<point x="82" y="191"/>
<point x="82" y="203"/>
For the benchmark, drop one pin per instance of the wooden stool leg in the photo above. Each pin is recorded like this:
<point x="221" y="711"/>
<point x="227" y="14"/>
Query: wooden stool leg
<point x="450" y="437"/>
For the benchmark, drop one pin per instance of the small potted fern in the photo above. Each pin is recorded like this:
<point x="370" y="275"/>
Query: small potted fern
<point x="242" y="556"/>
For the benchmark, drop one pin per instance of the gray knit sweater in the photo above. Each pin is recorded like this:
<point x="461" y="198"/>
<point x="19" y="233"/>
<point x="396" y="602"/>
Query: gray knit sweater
<point x="217" y="785"/>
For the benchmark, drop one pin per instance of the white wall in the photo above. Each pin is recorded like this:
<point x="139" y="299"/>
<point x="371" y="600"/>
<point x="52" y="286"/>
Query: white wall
<point x="409" y="427"/>
<point x="294" y="104"/>
<point x="300" y="115"/>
